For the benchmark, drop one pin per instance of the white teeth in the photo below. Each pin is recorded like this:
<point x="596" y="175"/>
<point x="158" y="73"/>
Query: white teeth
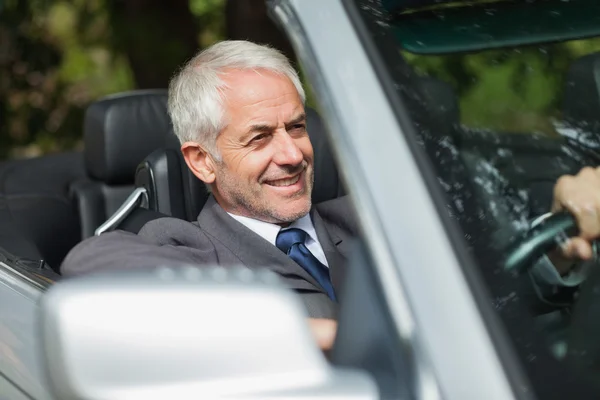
<point x="285" y="182"/>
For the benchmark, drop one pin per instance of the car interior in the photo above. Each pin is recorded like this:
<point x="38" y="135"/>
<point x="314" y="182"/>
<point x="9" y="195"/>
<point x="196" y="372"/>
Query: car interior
<point x="51" y="203"/>
<point x="55" y="201"/>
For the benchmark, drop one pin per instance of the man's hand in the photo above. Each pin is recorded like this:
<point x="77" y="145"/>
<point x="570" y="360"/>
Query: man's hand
<point x="324" y="332"/>
<point x="579" y="195"/>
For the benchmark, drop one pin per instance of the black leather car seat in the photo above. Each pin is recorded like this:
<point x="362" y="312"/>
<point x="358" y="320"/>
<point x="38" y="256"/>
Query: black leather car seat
<point x="50" y="203"/>
<point x="35" y="206"/>
<point x="170" y="186"/>
<point x="119" y="131"/>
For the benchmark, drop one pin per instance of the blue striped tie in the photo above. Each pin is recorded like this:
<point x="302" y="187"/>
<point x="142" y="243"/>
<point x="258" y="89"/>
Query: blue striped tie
<point x="291" y="242"/>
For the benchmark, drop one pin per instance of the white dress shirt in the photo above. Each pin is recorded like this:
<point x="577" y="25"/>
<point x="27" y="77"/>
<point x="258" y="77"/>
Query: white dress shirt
<point x="270" y="231"/>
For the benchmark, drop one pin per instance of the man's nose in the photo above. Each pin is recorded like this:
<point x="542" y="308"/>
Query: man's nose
<point x="287" y="151"/>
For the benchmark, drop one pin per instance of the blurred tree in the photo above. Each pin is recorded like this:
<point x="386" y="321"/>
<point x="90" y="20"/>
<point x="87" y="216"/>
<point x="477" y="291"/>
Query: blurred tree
<point x="56" y="56"/>
<point x="28" y="74"/>
<point x="155" y="35"/>
<point x="248" y="20"/>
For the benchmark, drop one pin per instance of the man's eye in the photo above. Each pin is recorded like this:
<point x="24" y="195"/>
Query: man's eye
<point x="299" y="127"/>
<point x="258" y="138"/>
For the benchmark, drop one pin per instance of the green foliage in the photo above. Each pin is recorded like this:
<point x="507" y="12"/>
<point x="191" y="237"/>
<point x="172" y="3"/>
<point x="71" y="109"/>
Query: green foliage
<point x="51" y="71"/>
<point x="57" y="56"/>
<point x="209" y="14"/>
<point x="511" y="90"/>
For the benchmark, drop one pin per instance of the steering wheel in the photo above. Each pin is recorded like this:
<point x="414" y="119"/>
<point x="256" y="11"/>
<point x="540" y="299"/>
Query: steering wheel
<point x="540" y="240"/>
<point x="582" y="335"/>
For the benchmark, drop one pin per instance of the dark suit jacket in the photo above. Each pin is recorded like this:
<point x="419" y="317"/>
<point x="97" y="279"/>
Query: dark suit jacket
<point x="218" y="239"/>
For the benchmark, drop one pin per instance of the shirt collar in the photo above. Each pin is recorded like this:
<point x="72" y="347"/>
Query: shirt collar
<point x="269" y="231"/>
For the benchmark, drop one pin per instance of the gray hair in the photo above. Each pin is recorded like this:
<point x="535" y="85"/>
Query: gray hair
<point x="196" y="91"/>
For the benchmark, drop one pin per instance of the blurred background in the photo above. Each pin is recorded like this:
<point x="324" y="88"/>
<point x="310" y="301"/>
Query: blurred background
<point x="57" y="56"/>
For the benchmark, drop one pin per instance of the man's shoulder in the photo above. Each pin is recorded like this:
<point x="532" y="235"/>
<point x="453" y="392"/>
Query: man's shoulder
<point x="337" y="206"/>
<point x="169" y="230"/>
<point x="338" y="211"/>
<point x="161" y="241"/>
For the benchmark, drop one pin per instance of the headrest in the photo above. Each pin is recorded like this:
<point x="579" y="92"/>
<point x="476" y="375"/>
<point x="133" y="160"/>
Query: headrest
<point x="120" y="130"/>
<point x="581" y="106"/>
<point x="327" y="183"/>
<point x="195" y="193"/>
<point x="172" y="141"/>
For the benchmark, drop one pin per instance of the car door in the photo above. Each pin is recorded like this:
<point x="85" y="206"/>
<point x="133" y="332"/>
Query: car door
<point x="414" y="324"/>
<point x="442" y="192"/>
<point x="21" y="286"/>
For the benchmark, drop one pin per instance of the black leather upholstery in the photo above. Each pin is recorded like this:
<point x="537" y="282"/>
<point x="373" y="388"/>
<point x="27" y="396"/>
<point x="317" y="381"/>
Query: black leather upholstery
<point x="173" y="190"/>
<point x="120" y="131"/>
<point x="37" y="220"/>
<point x="49" y="204"/>
<point x="162" y="174"/>
<point x="96" y="202"/>
<point x="328" y="184"/>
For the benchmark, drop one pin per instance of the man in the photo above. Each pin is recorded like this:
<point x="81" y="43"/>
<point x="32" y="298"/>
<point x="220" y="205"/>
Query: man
<point x="238" y="110"/>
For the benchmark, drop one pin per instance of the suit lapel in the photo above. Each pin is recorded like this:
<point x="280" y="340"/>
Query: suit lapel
<point x="251" y="249"/>
<point x="335" y="247"/>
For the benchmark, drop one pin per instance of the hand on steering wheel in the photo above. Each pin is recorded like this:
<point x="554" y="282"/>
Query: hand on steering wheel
<point x="576" y="208"/>
<point x="580" y="196"/>
<point x="540" y="240"/>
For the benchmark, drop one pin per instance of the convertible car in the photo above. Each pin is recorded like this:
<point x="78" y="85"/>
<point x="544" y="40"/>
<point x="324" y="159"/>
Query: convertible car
<point x="447" y="123"/>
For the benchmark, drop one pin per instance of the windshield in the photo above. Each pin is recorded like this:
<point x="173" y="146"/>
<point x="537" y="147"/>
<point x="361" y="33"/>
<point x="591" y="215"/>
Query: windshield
<point x="504" y="98"/>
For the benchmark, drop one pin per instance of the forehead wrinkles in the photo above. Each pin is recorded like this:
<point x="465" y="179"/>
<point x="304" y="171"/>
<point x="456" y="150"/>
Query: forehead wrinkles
<point x="257" y="99"/>
<point x="247" y="88"/>
<point x="272" y="101"/>
<point x="264" y="109"/>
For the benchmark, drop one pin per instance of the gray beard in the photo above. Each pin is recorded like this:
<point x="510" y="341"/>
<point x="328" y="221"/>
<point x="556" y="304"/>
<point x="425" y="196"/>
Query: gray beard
<point x="258" y="209"/>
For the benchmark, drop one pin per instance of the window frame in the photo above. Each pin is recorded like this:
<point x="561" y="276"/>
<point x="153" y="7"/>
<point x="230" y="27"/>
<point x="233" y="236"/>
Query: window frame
<point x="329" y="34"/>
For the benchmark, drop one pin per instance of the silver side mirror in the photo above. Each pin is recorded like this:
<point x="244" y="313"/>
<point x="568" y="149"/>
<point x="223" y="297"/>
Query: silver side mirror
<point x="185" y="333"/>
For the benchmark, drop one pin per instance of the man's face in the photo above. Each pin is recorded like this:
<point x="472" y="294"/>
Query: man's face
<point x="266" y="167"/>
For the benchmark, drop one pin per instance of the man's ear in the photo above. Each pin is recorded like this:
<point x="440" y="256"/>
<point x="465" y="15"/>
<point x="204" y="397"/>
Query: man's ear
<point x="199" y="161"/>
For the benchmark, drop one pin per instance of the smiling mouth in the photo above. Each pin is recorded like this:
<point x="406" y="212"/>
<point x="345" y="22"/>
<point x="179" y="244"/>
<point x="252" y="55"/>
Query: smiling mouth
<point x="284" y="182"/>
